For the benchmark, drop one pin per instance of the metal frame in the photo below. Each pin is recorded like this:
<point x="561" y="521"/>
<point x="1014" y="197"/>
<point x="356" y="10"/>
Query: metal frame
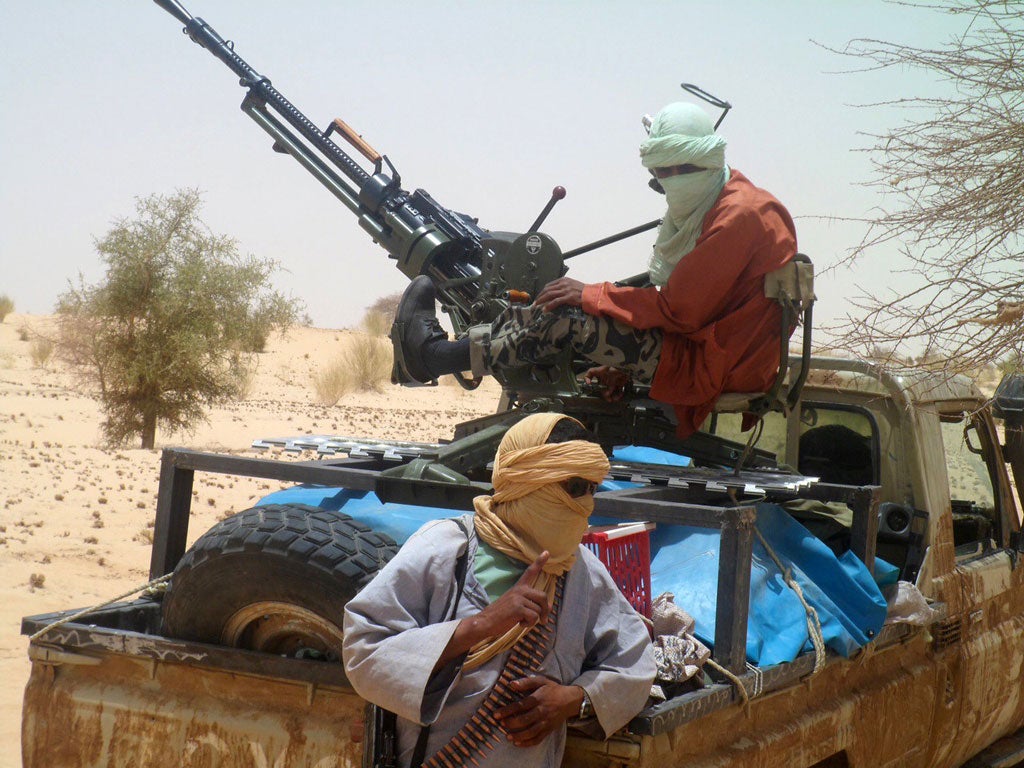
<point x="662" y="503"/>
<point x="179" y="465"/>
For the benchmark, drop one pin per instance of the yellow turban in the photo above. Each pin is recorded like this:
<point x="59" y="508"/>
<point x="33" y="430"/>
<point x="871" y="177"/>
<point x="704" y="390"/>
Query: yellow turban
<point x="530" y="512"/>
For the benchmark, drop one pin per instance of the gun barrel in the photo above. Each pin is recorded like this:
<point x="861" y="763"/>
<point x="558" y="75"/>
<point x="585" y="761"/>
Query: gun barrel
<point x="261" y="89"/>
<point x="176" y="10"/>
<point x="466" y="262"/>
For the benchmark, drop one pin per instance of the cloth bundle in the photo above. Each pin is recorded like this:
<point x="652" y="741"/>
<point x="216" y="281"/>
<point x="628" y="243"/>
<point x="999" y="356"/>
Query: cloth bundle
<point x="678" y="653"/>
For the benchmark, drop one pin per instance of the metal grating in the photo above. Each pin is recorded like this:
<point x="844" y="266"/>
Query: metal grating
<point x="750" y="482"/>
<point x="946" y="633"/>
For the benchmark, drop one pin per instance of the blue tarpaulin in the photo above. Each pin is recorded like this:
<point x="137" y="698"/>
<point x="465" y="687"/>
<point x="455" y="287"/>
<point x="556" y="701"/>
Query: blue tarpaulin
<point x="849" y="603"/>
<point x="684" y="561"/>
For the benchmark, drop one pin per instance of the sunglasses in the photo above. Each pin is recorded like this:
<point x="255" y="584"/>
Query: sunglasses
<point x="577" y="487"/>
<point x="664" y="172"/>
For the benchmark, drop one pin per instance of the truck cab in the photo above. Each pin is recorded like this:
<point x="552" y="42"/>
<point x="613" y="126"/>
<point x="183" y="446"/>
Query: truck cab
<point x="947" y="518"/>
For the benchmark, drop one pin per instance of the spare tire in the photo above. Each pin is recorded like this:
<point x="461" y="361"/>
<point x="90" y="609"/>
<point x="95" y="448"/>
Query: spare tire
<point x="274" y="579"/>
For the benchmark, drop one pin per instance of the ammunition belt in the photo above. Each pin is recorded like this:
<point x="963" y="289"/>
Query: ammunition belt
<point x="482" y="732"/>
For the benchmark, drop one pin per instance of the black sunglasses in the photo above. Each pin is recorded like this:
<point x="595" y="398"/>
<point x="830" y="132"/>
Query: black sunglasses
<point x="663" y="172"/>
<point x="577" y="487"/>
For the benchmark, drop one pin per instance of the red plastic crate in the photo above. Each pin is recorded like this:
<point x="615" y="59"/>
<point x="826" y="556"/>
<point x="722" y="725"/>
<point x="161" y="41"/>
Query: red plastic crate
<point x="625" y="551"/>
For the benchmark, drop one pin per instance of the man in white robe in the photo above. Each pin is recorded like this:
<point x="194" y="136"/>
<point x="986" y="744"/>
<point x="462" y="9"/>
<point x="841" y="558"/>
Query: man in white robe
<point x="411" y="650"/>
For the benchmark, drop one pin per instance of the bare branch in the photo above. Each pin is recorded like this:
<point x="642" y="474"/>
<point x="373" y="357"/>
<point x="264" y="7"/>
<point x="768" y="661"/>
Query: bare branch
<point x="950" y="179"/>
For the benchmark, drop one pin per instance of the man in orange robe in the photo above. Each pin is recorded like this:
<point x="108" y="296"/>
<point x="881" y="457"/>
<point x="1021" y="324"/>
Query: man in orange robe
<point x="703" y="328"/>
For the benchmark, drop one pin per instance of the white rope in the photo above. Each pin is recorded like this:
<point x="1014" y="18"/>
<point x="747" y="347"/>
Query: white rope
<point x="813" y="622"/>
<point x="758" y="680"/>
<point x="152" y="586"/>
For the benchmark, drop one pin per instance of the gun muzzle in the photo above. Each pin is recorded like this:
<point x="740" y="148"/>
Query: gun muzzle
<point x="176" y="9"/>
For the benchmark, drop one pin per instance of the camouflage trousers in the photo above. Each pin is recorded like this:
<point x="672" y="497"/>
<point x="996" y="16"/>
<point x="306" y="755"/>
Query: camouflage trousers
<point x="525" y="335"/>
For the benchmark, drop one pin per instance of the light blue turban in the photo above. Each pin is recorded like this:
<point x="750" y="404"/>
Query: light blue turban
<point x="682" y="134"/>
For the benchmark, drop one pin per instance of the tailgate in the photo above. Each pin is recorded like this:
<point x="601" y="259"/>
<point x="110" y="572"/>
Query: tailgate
<point x="101" y="694"/>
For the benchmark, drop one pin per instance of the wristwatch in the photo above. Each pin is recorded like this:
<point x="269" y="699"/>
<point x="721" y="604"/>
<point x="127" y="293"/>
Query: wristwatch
<point x="586" y="708"/>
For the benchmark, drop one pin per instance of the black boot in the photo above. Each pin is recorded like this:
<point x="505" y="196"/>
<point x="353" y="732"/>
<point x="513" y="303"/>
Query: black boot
<point x="422" y="349"/>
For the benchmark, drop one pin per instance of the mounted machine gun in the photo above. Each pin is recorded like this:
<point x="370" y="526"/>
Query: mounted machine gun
<point x="477" y="273"/>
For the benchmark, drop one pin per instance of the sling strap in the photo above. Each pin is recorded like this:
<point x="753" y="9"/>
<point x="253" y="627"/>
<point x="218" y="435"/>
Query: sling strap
<point x="482" y="732"/>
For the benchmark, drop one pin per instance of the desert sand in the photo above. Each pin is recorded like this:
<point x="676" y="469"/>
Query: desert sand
<point x="76" y="517"/>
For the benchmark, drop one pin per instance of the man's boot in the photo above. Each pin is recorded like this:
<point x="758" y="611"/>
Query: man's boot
<point x="421" y="346"/>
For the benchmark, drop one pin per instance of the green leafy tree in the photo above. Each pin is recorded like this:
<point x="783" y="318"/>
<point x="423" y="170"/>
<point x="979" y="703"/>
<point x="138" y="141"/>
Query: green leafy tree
<point x="173" y="326"/>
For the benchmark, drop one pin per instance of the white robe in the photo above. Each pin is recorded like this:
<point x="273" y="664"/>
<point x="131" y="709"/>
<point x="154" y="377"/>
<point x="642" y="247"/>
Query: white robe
<point x="397" y="627"/>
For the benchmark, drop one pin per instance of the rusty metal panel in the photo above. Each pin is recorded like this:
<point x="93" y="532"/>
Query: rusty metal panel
<point x="991" y="653"/>
<point x="84" y="636"/>
<point x="874" y="710"/>
<point x="123" y="712"/>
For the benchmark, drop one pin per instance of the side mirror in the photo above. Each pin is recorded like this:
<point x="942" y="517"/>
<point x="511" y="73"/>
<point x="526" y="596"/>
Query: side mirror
<point x="1008" y="405"/>
<point x="1008" y="401"/>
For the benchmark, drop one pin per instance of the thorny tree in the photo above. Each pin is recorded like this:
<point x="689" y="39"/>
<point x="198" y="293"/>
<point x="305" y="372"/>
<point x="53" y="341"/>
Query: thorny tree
<point x="952" y="183"/>
<point x="172" y="327"/>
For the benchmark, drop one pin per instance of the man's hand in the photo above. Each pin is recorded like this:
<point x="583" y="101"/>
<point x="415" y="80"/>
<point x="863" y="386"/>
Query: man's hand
<point x="613" y="382"/>
<point x="522" y="604"/>
<point x="563" y="292"/>
<point x="544" y="707"/>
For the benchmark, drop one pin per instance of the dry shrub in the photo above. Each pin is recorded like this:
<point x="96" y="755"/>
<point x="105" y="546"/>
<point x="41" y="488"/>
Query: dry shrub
<point x="332" y="383"/>
<point x="363" y="365"/>
<point x="41" y="351"/>
<point x="381" y="314"/>
<point x="377" y="323"/>
<point x="6" y="306"/>
<point x="245" y="378"/>
<point x="370" y="360"/>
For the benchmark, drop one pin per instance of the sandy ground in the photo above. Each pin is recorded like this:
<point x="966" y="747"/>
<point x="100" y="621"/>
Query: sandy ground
<point x="76" y="518"/>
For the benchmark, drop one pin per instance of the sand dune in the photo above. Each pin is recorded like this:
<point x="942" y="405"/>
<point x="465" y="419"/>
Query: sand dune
<point x="76" y="518"/>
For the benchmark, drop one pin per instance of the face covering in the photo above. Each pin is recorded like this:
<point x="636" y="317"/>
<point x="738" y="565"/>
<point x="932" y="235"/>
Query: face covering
<point x="682" y="134"/>
<point x="530" y="511"/>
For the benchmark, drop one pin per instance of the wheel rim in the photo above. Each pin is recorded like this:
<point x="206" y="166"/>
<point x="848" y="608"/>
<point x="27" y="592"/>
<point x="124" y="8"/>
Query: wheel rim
<point x="282" y="629"/>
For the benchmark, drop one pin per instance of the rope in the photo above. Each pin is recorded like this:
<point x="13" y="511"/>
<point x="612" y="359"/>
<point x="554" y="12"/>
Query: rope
<point x="734" y="679"/>
<point x="813" y="622"/>
<point x="153" y="586"/>
<point x="813" y="629"/>
<point x="755" y="437"/>
<point x="758" y="683"/>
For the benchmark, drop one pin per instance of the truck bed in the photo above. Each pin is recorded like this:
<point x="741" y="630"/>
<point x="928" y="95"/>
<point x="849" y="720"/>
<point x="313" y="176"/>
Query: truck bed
<point x="107" y="684"/>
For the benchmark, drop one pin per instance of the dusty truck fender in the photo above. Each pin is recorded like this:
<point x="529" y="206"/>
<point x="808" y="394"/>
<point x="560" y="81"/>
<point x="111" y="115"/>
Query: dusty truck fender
<point x="794" y="718"/>
<point x="105" y="696"/>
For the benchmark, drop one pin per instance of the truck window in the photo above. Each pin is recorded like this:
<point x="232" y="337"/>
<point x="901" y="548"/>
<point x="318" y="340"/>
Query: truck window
<point x="973" y="500"/>
<point x="773" y="435"/>
<point x="838" y="445"/>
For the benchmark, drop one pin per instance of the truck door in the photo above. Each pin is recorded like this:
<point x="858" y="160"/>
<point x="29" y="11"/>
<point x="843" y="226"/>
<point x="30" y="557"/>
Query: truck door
<point x="985" y="527"/>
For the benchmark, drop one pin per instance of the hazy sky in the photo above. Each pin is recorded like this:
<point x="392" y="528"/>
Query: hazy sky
<point x="486" y="105"/>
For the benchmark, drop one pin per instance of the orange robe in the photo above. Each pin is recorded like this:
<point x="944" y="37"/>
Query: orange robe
<point x="721" y="332"/>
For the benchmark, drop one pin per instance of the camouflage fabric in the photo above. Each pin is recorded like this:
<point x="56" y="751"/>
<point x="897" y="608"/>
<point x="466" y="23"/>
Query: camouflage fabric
<point x="526" y="335"/>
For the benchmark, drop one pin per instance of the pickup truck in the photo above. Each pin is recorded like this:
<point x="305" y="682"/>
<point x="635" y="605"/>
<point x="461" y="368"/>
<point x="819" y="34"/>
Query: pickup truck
<point x="919" y="459"/>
